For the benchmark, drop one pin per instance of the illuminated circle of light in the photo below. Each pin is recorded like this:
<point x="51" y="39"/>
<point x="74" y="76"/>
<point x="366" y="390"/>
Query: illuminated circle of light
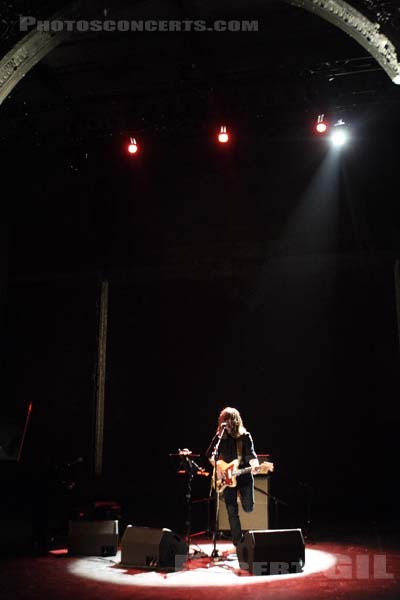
<point x="339" y="137"/>
<point x="321" y="127"/>
<point x="107" y="570"/>
<point x="223" y="136"/>
<point x="132" y="148"/>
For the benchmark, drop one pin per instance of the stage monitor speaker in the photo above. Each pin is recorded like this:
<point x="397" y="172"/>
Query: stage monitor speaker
<point x="258" y="518"/>
<point x="152" y="548"/>
<point x="93" y="538"/>
<point x="272" y="552"/>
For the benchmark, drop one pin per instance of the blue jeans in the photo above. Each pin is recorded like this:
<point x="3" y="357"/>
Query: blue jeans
<point x="246" y="491"/>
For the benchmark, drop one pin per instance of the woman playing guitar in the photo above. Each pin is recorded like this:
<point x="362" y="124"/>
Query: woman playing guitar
<point x="232" y="453"/>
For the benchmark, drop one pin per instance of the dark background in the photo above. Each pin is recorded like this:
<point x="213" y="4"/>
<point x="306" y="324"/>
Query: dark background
<point x="260" y="276"/>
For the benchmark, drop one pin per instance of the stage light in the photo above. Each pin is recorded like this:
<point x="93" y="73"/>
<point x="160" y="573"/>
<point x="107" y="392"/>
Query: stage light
<point x="133" y="147"/>
<point x="223" y="136"/>
<point x="321" y="126"/>
<point x="340" y="134"/>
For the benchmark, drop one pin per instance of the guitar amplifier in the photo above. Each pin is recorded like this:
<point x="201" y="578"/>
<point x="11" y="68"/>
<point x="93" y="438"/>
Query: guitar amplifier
<point x="258" y="518"/>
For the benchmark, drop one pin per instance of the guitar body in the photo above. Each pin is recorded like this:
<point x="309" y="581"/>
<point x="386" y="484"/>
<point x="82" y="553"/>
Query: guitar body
<point x="225" y="474"/>
<point x="228" y="472"/>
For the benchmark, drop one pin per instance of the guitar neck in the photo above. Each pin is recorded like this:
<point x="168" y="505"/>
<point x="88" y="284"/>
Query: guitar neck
<point x="241" y="471"/>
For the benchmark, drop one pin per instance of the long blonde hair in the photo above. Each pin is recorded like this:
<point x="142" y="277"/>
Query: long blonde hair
<point x="237" y="427"/>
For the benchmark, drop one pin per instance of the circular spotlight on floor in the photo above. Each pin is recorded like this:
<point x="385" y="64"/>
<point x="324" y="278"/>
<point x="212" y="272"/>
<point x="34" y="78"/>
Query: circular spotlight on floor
<point x="201" y="573"/>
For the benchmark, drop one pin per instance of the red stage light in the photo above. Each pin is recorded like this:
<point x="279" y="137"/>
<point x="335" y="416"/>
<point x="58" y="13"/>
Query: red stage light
<point x="133" y="147"/>
<point x="223" y="136"/>
<point x="322" y="125"/>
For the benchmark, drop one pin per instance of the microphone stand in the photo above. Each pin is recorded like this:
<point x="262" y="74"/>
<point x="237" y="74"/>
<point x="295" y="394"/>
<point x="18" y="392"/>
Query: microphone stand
<point x="214" y="457"/>
<point x="190" y="467"/>
<point x="187" y="466"/>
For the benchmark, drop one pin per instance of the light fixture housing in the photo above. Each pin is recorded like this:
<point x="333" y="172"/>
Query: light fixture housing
<point x="133" y="146"/>
<point x="223" y="136"/>
<point x="340" y="133"/>
<point x="321" y="126"/>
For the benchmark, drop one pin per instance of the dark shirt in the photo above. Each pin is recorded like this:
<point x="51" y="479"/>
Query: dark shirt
<point x="228" y="448"/>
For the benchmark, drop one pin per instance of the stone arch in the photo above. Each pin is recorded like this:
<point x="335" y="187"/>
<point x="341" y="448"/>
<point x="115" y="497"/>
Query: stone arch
<point x="35" y="45"/>
<point x="343" y="15"/>
<point x="30" y="50"/>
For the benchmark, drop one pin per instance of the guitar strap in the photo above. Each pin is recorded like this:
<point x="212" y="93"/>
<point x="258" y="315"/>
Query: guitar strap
<point x="239" y="449"/>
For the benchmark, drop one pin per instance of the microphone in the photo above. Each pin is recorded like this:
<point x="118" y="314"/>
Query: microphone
<point x="222" y="428"/>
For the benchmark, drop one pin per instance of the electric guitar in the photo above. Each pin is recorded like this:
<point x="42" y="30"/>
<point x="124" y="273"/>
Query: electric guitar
<point x="227" y="473"/>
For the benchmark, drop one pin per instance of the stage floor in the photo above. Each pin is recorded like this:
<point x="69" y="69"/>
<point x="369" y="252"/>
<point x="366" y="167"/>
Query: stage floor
<point x="333" y="570"/>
